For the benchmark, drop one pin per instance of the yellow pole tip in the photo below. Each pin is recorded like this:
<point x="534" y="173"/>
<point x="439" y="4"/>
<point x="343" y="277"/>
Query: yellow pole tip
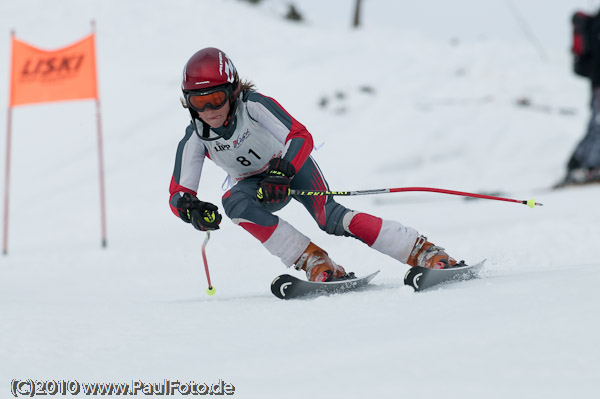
<point x="211" y="290"/>
<point x="531" y="203"/>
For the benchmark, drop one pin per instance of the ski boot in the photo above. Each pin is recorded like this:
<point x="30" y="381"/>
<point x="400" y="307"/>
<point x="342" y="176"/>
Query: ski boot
<point x="319" y="266"/>
<point x="579" y="176"/>
<point x="426" y="254"/>
<point x="574" y="177"/>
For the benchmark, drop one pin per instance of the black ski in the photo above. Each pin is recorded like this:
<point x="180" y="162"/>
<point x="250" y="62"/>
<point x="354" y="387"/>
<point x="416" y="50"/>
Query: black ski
<point x="421" y="278"/>
<point x="290" y="287"/>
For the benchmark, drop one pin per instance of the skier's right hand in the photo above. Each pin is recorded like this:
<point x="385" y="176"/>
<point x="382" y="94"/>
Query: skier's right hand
<point x="203" y="216"/>
<point x="275" y="186"/>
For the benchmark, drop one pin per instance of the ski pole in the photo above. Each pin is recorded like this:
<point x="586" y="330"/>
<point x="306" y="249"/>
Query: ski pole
<point x="210" y="290"/>
<point x="531" y="203"/>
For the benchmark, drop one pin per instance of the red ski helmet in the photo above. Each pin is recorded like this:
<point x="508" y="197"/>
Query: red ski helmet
<point x="207" y="68"/>
<point x="209" y="81"/>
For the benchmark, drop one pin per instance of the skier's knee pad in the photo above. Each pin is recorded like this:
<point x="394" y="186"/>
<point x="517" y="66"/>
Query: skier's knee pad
<point x="334" y="219"/>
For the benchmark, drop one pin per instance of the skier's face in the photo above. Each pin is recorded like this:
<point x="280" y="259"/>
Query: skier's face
<point x="215" y="117"/>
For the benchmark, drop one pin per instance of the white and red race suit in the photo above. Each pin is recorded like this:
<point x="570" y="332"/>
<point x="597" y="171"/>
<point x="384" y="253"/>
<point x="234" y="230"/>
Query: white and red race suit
<point x="260" y="130"/>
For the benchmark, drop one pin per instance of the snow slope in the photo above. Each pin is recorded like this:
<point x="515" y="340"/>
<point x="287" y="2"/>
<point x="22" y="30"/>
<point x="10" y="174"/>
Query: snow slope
<point x="439" y="110"/>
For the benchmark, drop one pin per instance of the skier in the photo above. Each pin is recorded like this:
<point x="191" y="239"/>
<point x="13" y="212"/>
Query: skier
<point x="266" y="152"/>
<point x="584" y="164"/>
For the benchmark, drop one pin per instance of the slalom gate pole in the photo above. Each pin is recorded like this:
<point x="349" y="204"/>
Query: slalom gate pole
<point x="100" y="161"/>
<point x="531" y="203"/>
<point x="210" y="290"/>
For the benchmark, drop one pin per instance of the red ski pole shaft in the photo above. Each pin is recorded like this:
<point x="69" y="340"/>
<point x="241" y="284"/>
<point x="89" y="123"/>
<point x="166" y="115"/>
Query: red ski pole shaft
<point x="531" y="203"/>
<point x="210" y="290"/>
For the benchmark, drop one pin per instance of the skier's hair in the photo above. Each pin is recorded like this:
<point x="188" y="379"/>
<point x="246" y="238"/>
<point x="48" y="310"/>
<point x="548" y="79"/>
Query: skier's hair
<point x="248" y="85"/>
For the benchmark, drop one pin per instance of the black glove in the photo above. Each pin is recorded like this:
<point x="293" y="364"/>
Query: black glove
<point x="202" y="215"/>
<point x="275" y="187"/>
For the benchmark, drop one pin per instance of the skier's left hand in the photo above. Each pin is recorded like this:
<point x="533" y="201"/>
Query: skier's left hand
<point x="275" y="187"/>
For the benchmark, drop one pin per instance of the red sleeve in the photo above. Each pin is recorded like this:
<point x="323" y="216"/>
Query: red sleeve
<point x="300" y="145"/>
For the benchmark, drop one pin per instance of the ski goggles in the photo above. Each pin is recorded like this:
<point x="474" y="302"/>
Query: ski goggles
<point x="201" y="100"/>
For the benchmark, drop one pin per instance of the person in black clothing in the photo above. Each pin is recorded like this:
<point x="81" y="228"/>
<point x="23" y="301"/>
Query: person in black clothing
<point x="584" y="164"/>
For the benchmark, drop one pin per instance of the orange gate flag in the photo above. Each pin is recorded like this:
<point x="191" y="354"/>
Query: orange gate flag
<point x="68" y="73"/>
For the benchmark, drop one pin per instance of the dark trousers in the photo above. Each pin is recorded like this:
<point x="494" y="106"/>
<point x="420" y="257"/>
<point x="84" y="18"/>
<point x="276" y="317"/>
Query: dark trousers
<point x="587" y="152"/>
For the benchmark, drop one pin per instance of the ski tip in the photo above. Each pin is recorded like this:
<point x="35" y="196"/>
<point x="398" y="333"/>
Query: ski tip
<point x="281" y="284"/>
